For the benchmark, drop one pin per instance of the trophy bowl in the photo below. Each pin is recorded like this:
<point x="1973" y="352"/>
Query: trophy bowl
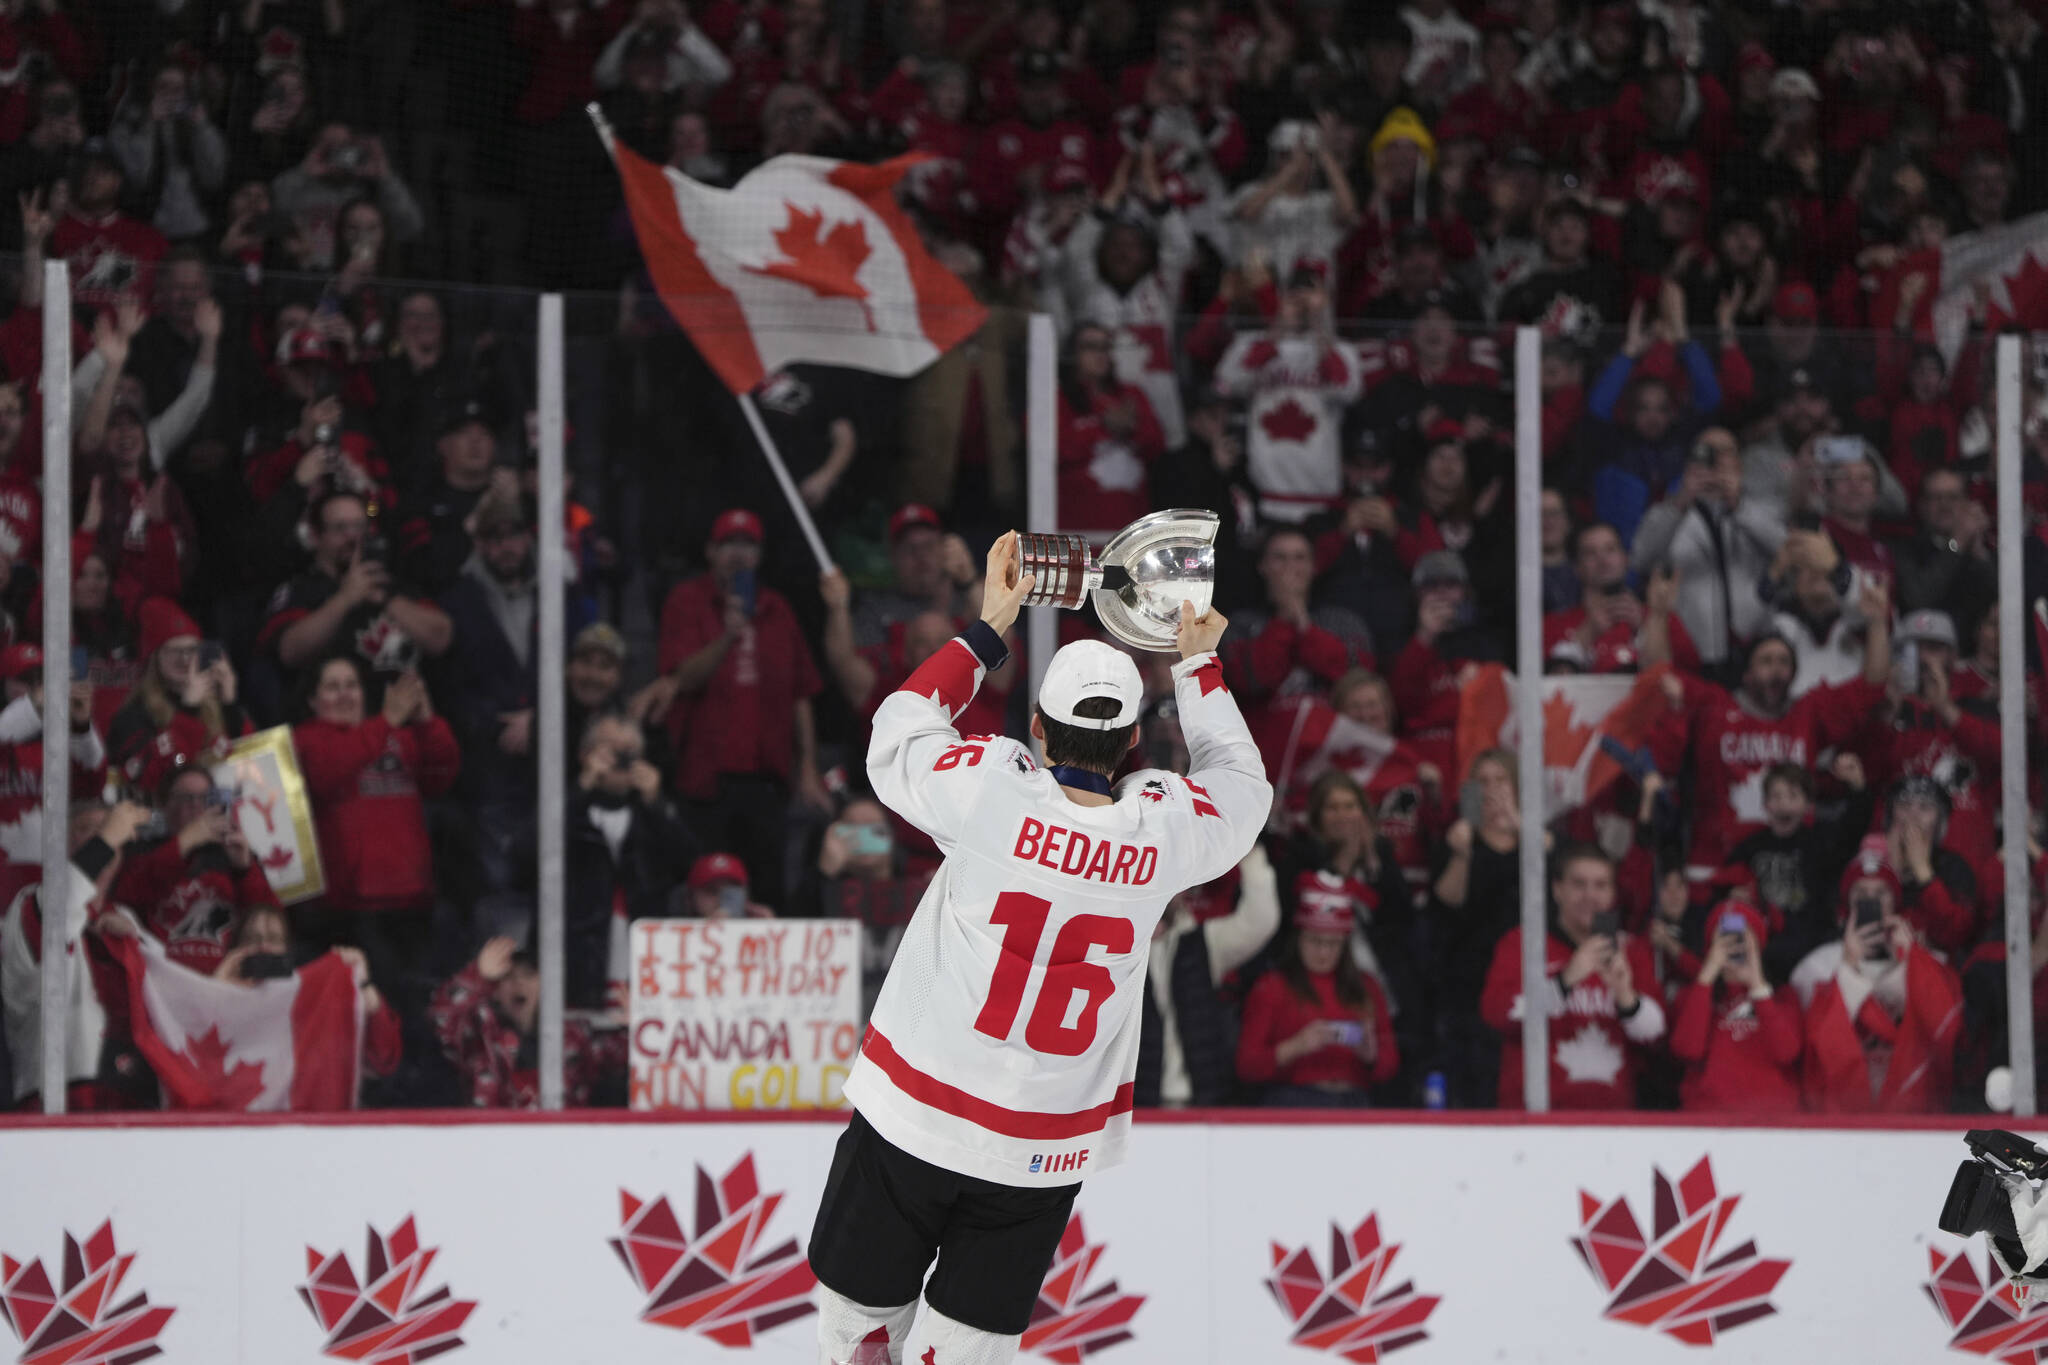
<point x="1137" y="582"/>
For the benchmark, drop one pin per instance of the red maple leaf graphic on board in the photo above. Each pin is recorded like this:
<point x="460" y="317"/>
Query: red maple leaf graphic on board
<point x="826" y="262"/>
<point x="1289" y="421"/>
<point x="232" y="1089"/>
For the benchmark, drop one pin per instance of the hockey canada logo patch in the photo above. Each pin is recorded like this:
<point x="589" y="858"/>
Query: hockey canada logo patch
<point x="1984" y="1315"/>
<point x="389" y="1319"/>
<point x="1355" y="1314"/>
<point x="710" y="1280"/>
<point x="1667" y="1281"/>
<point x="86" y="1322"/>
<point x="1071" y="1320"/>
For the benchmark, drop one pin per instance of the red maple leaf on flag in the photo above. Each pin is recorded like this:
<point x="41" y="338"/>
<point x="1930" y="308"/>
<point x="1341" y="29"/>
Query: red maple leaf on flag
<point x="232" y="1089"/>
<point x="826" y="262"/>
<point x="1289" y="421"/>
<point x="2018" y="298"/>
<point x="278" y="858"/>
<point x="1563" y="738"/>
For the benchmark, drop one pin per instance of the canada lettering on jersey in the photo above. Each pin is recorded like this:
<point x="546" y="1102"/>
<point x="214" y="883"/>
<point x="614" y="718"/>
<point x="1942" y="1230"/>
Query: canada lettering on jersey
<point x="1075" y="854"/>
<point x="1762" y="746"/>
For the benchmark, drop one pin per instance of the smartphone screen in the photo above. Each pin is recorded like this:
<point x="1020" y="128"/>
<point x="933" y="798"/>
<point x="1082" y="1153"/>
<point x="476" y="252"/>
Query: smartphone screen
<point x="743" y="590"/>
<point x="1607" y="924"/>
<point x="1471" y="804"/>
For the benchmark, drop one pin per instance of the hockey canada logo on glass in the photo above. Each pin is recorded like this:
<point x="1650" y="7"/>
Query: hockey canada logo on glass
<point x="1671" y="1281"/>
<point x="1355" y="1314"/>
<point x="1071" y="1320"/>
<point x="86" y="1321"/>
<point x="1984" y="1315"/>
<point x="391" y="1318"/>
<point x="710" y="1279"/>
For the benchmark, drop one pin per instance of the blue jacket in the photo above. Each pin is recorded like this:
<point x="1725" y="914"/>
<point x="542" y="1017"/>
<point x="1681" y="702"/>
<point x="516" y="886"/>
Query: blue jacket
<point x="1636" y="472"/>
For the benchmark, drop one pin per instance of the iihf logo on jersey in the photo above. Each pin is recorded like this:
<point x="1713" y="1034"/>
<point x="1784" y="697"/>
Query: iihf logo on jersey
<point x="1070" y="1320"/>
<point x="1666" y="1282"/>
<point x="1052" y="1163"/>
<point x="1984" y="1314"/>
<point x="1351" y="1315"/>
<point x="87" y="1323"/>
<point x="711" y="1280"/>
<point x="388" y="1319"/>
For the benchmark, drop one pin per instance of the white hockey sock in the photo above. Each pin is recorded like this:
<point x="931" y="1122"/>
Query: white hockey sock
<point x="844" y="1329"/>
<point x="938" y="1340"/>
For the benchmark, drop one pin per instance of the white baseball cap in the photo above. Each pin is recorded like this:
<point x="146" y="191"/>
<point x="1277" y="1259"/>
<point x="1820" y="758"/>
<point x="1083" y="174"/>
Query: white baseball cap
<point x="1090" y="668"/>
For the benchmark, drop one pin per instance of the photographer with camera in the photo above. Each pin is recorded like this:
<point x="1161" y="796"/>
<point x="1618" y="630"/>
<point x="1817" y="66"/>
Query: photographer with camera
<point x="628" y="854"/>
<point x="195" y="884"/>
<point x="348" y="599"/>
<point x="1738" y="1038"/>
<point x="339" y="168"/>
<point x="1883" y="1014"/>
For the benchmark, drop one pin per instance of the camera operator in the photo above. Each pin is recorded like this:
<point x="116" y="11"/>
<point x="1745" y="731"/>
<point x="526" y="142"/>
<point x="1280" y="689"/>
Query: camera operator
<point x="195" y="884"/>
<point x="1883" y="1014"/>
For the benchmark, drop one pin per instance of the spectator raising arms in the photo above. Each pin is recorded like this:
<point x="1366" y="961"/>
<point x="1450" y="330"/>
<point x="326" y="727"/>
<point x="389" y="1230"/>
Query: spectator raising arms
<point x="486" y="1017"/>
<point x="366" y="778"/>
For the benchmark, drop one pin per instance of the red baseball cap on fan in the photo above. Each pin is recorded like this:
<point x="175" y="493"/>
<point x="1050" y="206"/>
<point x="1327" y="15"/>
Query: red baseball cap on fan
<point x="1795" y="301"/>
<point x="909" y="517"/>
<point x="1322" y="903"/>
<point x="713" y="868"/>
<point x="736" y="521"/>
<point x="16" y="660"/>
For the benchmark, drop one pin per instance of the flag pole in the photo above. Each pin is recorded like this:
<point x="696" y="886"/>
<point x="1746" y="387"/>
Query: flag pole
<point x="788" y="485"/>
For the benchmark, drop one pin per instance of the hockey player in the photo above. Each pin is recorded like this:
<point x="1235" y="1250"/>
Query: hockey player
<point x="998" y="1068"/>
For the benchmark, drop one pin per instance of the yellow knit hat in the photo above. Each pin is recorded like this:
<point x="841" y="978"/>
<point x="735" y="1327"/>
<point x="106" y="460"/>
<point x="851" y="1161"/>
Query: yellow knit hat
<point x="1405" y="124"/>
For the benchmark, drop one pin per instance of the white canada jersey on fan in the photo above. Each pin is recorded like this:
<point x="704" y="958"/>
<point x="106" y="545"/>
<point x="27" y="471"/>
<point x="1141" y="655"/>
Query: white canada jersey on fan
<point x="1005" y="1040"/>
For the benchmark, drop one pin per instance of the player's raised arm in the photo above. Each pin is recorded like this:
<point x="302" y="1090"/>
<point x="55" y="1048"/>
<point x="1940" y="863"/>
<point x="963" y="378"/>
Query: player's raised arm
<point x="1225" y="772"/>
<point x="918" y="764"/>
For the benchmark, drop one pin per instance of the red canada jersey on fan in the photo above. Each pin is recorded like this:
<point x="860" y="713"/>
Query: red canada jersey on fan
<point x="1005" y="1041"/>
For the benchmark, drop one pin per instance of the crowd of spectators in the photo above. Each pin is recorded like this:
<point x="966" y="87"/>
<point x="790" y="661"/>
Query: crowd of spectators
<point x="1284" y="244"/>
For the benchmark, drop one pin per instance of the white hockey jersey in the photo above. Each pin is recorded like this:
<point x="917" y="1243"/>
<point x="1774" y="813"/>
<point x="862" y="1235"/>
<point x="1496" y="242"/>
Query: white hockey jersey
<point x="1299" y="388"/>
<point x="1005" y="1040"/>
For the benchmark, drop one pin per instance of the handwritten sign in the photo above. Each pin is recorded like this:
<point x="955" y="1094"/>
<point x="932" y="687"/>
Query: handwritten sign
<point x="743" y="1014"/>
<point x="271" y="809"/>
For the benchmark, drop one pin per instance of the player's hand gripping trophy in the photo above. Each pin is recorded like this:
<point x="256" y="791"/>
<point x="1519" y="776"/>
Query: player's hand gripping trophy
<point x="1139" y="580"/>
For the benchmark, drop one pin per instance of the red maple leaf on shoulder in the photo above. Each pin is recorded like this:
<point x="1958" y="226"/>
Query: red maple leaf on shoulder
<point x="235" y="1088"/>
<point x="826" y="262"/>
<point x="1288" y="421"/>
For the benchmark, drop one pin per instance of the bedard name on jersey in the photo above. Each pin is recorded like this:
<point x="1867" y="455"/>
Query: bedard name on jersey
<point x="1005" y="1040"/>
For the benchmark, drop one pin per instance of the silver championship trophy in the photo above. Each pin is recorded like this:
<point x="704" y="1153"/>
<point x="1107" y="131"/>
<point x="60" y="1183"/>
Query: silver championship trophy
<point x="1140" y="579"/>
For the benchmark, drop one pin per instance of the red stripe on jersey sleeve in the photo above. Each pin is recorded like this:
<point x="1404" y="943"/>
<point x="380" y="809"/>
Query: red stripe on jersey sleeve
<point x="932" y="1091"/>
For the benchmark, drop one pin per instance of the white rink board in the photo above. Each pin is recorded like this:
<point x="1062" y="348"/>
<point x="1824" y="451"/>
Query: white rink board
<point x="220" y="1219"/>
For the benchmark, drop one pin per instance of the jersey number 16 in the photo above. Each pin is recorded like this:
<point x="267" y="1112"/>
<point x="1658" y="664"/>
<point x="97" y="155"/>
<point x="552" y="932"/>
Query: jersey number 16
<point x="1069" y="973"/>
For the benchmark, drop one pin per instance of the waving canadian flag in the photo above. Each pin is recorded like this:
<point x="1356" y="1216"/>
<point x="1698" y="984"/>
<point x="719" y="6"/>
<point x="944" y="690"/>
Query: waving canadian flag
<point x="1580" y="711"/>
<point x="289" y="1043"/>
<point x="806" y="259"/>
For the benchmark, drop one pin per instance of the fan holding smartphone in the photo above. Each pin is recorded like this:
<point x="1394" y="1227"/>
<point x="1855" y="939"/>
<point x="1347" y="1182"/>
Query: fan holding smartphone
<point x="1739" y="1039"/>
<point x="1316" y="1029"/>
<point x="1882" y="1020"/>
